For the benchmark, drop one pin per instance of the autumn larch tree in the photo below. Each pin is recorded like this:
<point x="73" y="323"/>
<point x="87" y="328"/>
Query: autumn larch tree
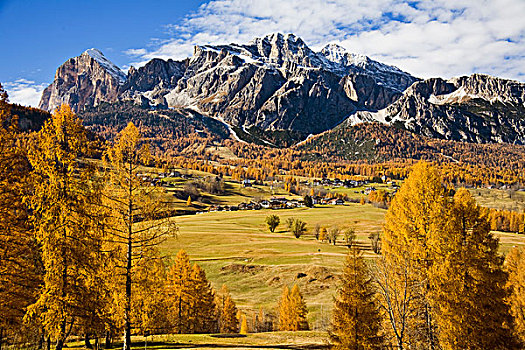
<point x="515" y="265"/>
<point x="20" y="267"/>
<point x="292" y="310"/>
<point x="137" y="221"/>
<point x="63" y="202"/>
<point x="417" y="214"/>
<point x="468" y="282"/>
<point x="191" y="297"/>
<point x="227" y="312"/>
<point x="180" y="293"/>
<point x="356" y="320"/>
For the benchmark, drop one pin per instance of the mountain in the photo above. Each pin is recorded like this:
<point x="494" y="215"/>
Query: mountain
<point x="272" y="84"/>
<point x="275" y="90"/>
<point x="477" y="108"/>
<point x="86" y="80"/>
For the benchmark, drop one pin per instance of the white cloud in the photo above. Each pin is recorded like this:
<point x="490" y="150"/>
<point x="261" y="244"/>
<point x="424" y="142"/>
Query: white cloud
<point x="136" y="52"/>
<point x="24" y="92"/>
<point x="427" y="38"/>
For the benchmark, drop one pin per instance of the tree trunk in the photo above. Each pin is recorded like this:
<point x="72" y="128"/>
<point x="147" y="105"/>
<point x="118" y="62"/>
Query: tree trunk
<point x="127" y="308"/>
<point x="87" y="343"/>
<point x="129" y="257"/>
<point x="108" y="340"/>
<point x="48" y="343"/>
<point x="1" y="337"/>
<point x="60" y="341"/>
<point x="41" y="342"/>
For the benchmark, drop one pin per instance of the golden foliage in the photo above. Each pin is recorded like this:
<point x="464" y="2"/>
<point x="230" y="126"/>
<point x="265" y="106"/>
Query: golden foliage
<point x="292" y="310"/>
<point x="516" y="284"/>
<point x="356" y="319"/>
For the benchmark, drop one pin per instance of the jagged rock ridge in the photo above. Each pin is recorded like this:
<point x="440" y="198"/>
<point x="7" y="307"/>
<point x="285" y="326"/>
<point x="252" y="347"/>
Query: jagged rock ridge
<point x="273" y="83"/>
<point x="277" y="83"/>
<point x="477" y="108"/>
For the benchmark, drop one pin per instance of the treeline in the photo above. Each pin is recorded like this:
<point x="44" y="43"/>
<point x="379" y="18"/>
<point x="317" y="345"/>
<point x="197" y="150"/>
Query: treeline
<point x="507" y="221"/>
<point x="440" y="282"/>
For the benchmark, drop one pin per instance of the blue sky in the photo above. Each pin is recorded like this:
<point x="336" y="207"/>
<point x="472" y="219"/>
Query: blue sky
<point x="426" y="38"/>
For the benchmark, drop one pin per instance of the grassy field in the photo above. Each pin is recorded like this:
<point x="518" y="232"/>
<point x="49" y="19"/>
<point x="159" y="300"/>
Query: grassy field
<point x="500" y="199"/>
<point x="269" y="341"/>
<point x="236" y="249"/>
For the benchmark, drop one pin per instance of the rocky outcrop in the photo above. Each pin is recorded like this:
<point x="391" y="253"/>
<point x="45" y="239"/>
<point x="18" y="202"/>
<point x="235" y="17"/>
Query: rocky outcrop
<point x="86" y="80"/>
<point x="477" y="108"/>
<point x="278" y="84"/>
<point x="273" y="83"/>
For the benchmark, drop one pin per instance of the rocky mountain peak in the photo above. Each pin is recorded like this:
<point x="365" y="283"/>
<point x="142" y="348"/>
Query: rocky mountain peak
<point x="335" y="53"/>
<point x="85" y="80"/>
<point x="99" y="57"/>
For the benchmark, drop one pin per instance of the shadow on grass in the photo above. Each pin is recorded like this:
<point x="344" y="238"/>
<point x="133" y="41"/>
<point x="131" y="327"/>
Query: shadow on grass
<point x="183" y="345"/>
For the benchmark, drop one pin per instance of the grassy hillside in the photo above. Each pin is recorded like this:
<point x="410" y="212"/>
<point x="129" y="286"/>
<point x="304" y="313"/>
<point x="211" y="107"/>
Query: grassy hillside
<point x="237" y="249"/>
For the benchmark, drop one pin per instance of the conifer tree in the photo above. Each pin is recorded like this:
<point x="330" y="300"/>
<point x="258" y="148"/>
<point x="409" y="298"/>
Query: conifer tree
<point x="180" y="288"/>
<point x="188" y="202"/>
<point x="229" y="322"/>
<point x="150" y="306"/>
<point x="137" y="221"/>
<point x="468" y="282"/>
<point x="192" y="298"/>
<point x="244" y="325"/>
<point x="516" y="269"/>
<point x="356" y="320"/>
<point x="204" y="302"/>
<point x="285" y="310"/>
<point x="62" y="202"/>
<point x="300" y="311"/>
<point x="417" y="214"/>
<point x="323" y="234"/>
<point x="292" y="310"/>
<point x="20" y="268"/>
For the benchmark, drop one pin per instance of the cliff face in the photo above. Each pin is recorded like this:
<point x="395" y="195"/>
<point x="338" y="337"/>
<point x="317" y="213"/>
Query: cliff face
<point x="477" y="108"/>
<point x="86" y="80"/>
<point x="277" y="83"/>
<point x="272" y="83"/>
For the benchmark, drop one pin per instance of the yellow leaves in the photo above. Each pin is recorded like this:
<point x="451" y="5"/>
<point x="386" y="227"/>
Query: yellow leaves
<point x="191" y="298"/>
<point x="244" y="325"/>
<point x="292" y="310"/>
<point x="356" y="319"/>
<point x="63" y="203"/>
<point x="227" y="312"/>
<point x="516" y="284"/>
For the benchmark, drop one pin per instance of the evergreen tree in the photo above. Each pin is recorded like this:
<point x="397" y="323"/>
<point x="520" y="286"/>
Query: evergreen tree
<point x="356" y="317"/>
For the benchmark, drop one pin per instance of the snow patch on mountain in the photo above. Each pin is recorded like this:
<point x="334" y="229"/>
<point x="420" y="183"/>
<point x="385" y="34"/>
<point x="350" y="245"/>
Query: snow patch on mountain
<point x="109" y="66"/>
